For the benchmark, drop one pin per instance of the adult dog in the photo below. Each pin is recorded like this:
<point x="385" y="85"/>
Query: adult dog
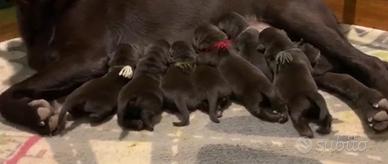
<point x="74" y="38"/>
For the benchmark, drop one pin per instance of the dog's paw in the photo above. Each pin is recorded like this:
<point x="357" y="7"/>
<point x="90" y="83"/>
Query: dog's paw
<point x="47" y="113"/>
<point x="378" y="116"/>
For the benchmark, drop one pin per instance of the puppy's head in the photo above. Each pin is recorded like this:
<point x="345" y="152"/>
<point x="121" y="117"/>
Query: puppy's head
<point x="206" y="36"/>
<point x="127" y="54"/>
<point x="182" y="51"/>
<point x="249" y="38"/>
<point x="270" y="35"/>
<point x="232" y="24"/>
<point x="158" y="53"/>
<point x="312" y="53"/>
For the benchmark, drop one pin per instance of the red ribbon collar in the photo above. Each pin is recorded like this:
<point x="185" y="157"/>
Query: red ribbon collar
<point x="220" y="45"/>
<point x="223" y="44"/>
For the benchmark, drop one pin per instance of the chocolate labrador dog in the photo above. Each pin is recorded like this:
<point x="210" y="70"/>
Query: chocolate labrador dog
<point x="295" y="82"/>
<point x="97" y="98"/>
<point x="140" y="102"/>
<point x="248" y="84"/>
<point x="73" y="39"/>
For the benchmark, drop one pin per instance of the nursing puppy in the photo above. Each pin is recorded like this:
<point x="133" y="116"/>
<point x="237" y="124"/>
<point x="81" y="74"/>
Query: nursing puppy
<point x="140" y="101"/>
<point x="249" y="85"/>
<point x="177" y="84"/>
<point x="212" y="88"/>
<point x="295" y="82"/>
<point x="98" y="98"/>
<point x="246" y="40"/>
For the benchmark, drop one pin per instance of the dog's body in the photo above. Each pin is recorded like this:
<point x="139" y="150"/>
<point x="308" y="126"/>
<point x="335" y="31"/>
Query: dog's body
<point x="211" y="87"/>
<point x="74" y="38"/>
<point x="246" y="40"/>
<point x="178" y="85"/>
<point x="327" y="75"/>
<point x="140" y="102"/>
<point x="98" y="98"/>
<point x="248" y="84"/>
<point x="296" y="84"/>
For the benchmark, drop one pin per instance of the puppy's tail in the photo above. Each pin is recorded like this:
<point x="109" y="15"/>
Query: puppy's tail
<point x="320" y="102"/>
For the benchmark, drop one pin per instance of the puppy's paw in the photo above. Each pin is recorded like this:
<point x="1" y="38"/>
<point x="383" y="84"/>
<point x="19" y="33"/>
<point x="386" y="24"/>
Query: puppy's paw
<point x="181" y="124"/>
<point x="308" y="133"/>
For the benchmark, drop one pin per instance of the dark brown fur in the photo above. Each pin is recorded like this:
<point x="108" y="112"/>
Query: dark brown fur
<point x="246" y="40"/>
<point x="98" y="98"/>
<point x="140" y="102"/>
<point x="296" y="84"/>
<point x="73" y="39"/>
<point x="178" y="85"/>
<point x="249" y="85"/>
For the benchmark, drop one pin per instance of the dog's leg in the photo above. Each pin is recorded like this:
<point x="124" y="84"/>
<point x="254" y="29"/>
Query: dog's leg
<point x="184" y="111"/>
<point x="312" y="21"/>
<point x="301" y="125"/>
<point x="325" y="125"/>
<point x="98" y="112"/>
<point x="372" y="103"/>
<point x="252" y="103"/>
<point x="57" y="80"/>
<point x="298" y="107"/>
<point x="212" y="99"/>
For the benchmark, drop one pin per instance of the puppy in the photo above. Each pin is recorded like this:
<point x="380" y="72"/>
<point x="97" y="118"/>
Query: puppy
<point x="98" y="98"/>
<point x="177" y="84"/>
<point x="140" y="101"/>
<point x="232" y="24"/>
<point x="211" y="87"/>
<point x="294" y="81"/>
<point x="248" y="84"/>
<point x="246" y="40"/>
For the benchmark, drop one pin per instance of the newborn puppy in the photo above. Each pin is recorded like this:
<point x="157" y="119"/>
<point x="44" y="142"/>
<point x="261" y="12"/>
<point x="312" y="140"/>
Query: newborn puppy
<point x="211" y="87"/>
<point x="249" y="85"/>
<point x="232" y="24"/>
<point x="246" y="40"/>
<point x="177" y="84"/>
<point x="98" y="98"/>
<point x="294" y="80"/>
<point x="140" y="101"/>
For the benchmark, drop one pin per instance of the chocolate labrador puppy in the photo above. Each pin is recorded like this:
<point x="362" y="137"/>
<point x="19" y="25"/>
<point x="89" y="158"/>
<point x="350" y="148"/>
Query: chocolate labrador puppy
<point x="177" y="83"/>
<point x="249" y="85"/>
<point x="98" y="98"/>
<point x="295" y="82"/>
<point x="211" y="87"/>
<point x="246" y="40"/>
<point x="73" y="39"/>
<point x="140" y="102"/>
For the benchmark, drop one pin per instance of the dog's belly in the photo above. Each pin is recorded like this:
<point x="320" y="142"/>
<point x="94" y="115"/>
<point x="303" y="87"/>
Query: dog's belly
<point x="171" y="20"/>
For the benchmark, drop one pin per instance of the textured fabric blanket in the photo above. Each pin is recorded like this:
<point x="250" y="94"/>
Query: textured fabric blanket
<point x="239" y="138"/>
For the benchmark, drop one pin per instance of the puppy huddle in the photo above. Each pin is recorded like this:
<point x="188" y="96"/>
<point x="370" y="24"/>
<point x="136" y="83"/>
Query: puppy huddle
<point x="227" y="62"/>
